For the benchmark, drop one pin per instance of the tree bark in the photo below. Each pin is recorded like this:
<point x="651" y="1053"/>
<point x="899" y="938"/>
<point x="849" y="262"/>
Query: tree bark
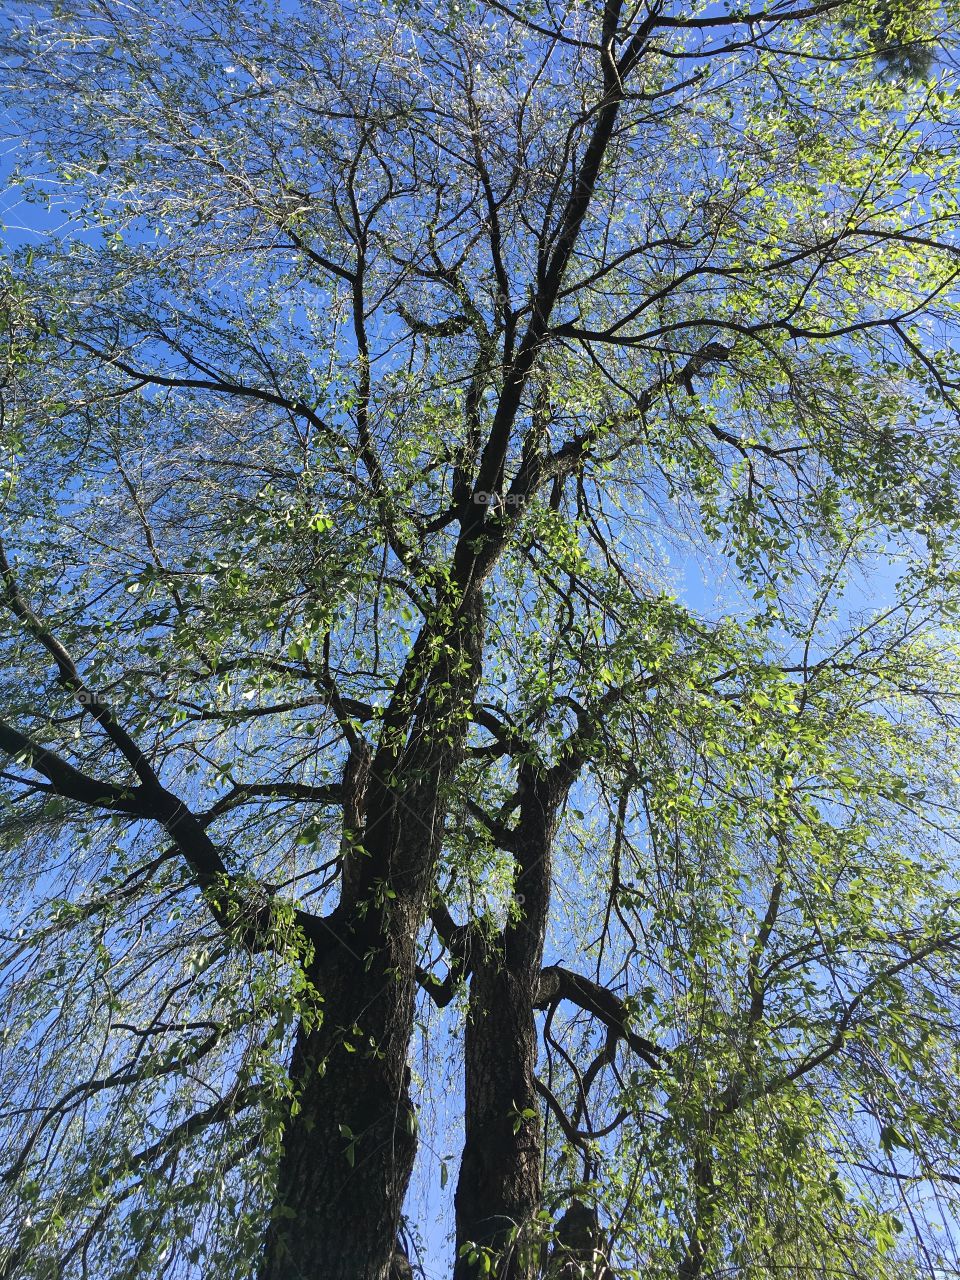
<point x="350" y="1140"/>
<point x="499" y="1190"/>
<point x="349" y="1150"/>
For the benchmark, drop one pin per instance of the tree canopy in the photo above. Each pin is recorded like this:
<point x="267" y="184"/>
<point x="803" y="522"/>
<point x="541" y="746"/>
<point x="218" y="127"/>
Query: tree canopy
<point x="395" y="828"/>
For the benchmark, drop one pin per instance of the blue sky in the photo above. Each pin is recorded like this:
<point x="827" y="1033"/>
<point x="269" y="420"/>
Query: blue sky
<point x="705" y="583"/>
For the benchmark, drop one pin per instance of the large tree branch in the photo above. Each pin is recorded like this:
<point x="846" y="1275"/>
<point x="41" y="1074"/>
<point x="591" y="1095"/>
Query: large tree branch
<point x="242" y="911"/>
<point x="217" y="385"/>
<point x="556" y="253"/>
<point x="557" y="983"/>
<point x="245" y="912"/>
<point x="67" y="781"/>
<point x="241" y="792"/>
<point x="15" y="600"/>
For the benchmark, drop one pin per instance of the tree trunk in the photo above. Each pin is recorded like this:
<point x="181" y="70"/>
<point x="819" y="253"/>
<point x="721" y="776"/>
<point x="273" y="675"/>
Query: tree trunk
<point x="348" y="1152"/>
<point x="350" y="1142"/>
<point x="499" y="1188"/>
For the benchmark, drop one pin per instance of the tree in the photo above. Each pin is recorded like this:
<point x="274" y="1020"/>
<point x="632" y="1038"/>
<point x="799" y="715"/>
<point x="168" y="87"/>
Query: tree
<point x="371" y="358"/>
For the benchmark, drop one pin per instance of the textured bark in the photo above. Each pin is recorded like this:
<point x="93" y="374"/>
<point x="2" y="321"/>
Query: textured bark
<point x="349" y="1148"/>
<point x="577" y="1252"/>
<point x="499" y="1184"/>
<point x="499" y="1188"/>
<point x="339" y="1197"/>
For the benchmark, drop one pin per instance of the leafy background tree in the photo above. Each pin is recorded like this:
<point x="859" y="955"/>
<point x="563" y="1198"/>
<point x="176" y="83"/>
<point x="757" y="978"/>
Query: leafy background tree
<point x="380" y="802"/>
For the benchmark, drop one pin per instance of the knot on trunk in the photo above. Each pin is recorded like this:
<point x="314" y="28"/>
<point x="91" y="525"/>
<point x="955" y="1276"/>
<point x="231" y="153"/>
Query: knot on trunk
<point x="577" y="1252"/>
<point x="400" y="1268"/>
